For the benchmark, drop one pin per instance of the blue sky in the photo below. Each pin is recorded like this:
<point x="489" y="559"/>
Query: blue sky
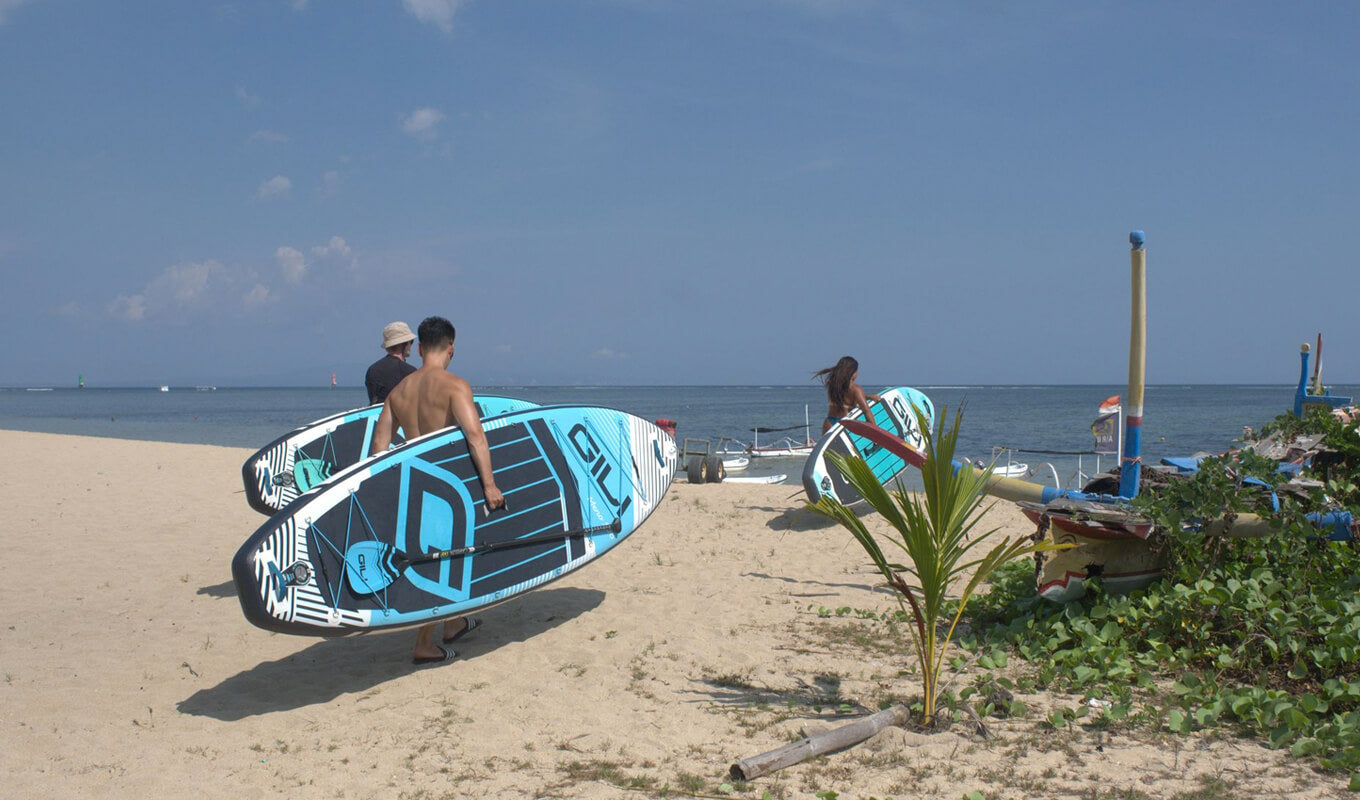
<point x="641" y="192"/>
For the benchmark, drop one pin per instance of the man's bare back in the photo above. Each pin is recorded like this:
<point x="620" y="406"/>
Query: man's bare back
<point x="430" y="399"/>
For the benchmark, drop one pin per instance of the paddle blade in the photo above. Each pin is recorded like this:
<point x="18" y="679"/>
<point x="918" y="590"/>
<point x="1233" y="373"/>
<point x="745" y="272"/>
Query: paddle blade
<point x="309" y="472"/>
<point x="369" y="567"/>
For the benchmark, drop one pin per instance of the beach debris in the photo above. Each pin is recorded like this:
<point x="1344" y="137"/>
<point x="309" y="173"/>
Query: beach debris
<point x="820" y="743"/>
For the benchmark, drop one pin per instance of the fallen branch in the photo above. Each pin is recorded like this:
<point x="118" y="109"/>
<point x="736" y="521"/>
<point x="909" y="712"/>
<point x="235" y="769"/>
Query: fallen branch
<point x="819" y="744"/>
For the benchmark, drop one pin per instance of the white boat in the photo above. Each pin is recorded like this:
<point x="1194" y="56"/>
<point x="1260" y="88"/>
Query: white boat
<point x="735" y="462"/>
<point x="165" y="388"/>
<point x="759" y="479"/>
<point x="1002" y="465"/>
<point x="785" y="447"/>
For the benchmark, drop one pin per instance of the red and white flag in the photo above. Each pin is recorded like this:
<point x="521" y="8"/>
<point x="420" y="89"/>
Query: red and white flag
<point x="1106" y="426"/>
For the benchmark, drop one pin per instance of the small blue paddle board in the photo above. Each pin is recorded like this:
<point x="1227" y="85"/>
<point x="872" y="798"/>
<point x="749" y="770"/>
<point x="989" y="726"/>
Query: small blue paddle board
<point x="310" y="455"/>
<point x="894" y="414"/>
<point x="403" y="538"/>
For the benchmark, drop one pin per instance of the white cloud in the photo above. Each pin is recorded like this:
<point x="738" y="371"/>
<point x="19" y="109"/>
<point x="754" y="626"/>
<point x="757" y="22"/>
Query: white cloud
<point x="192" y="290"/>
<point x="258" y="295"/>
<point x="178" y="286"/>
<point x="244" y="97"/>
<point x="422" y="122"/>
<point x="128" y="306"/>
<point x="274" y="187"/>
<point x="184" y="284"/>
<point x="438" y="13"/>
<point x="606" y="354"/>
<point x="268" y="137"/>
<point x="324" y="257"/>
<point x="335" y="248"/>
<point x="71" y="309"/>
<point x="292" y="263"/>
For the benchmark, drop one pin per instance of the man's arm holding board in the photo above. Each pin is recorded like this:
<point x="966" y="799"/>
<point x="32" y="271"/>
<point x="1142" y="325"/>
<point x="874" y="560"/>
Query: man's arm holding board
<point x="384" y="429"/>
<point x="465" y="415"/>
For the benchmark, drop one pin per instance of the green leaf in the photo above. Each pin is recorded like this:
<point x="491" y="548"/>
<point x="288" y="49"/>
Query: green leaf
<point x="1177" y="721"/>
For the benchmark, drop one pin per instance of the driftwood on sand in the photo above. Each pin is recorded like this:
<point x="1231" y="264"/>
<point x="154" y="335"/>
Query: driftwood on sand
<point x="819" y="744"/>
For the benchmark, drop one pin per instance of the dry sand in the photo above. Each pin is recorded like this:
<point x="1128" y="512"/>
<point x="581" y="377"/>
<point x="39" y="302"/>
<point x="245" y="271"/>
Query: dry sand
<point x="129" y="671"/>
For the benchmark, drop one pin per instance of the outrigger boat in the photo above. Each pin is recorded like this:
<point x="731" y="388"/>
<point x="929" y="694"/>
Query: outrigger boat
<point x="1108" y="539"/>
<point x="786" y="446"/>
<point x="1005" y="468"/>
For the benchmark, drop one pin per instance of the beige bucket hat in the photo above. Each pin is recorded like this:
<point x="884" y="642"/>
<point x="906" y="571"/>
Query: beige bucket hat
<point x="397" y="333"/>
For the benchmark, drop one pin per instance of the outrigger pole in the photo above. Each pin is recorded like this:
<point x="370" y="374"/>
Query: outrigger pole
<point x="1131" y="463"/>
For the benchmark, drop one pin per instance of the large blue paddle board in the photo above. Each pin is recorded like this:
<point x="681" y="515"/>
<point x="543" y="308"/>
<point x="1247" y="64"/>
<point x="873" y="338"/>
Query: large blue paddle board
<point x="894" y="414"/>
<point x="310" y="455"/>
<point x="355" y="554"/>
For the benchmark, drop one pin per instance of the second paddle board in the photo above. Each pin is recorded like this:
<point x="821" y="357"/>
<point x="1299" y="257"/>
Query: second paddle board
<point x="894" y="413"/>
<point x="308" y="456"/>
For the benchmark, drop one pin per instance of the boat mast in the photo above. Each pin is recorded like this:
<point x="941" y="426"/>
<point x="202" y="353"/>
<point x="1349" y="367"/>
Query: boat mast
<point x="1317" y="367"/>
<point x="1131" y="462"/>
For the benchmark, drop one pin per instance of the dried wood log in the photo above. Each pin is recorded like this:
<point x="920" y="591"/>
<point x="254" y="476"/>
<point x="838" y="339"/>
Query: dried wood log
<point x="819" y="744"/>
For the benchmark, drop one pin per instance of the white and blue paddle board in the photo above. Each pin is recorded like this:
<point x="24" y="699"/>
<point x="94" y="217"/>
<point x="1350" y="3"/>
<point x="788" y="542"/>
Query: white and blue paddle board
<point x="403" y="538"/>
<point x="893" y="413"/>
<point x="310" y="455"/>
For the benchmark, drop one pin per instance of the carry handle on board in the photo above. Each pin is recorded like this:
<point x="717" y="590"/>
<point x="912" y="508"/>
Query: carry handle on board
<point x="893" y="444"/>
<point x="372" y="566"/>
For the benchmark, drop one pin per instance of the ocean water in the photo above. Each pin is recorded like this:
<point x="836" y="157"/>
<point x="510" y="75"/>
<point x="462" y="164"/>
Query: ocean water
<point x="1178" y="420"/>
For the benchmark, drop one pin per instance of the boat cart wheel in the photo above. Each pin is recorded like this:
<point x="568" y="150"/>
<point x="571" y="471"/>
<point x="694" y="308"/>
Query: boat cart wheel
<point x="697" y="469"/>
<point x="716" y="470"/>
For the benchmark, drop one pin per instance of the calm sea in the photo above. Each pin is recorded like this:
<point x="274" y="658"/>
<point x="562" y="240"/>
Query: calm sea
<point x="1178" y="420"/>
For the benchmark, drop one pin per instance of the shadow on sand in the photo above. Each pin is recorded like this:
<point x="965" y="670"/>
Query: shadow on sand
<point x="797" y="518"/>
<point x="227" y="589"/>
<point x="785" y="579"/>
<point x="736" y="692"/>
<point x="333" y="667"/>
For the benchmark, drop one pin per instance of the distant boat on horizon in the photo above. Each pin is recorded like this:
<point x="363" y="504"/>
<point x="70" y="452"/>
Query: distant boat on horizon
<point x="165" y="388"/>
<point x="332" y="380"/>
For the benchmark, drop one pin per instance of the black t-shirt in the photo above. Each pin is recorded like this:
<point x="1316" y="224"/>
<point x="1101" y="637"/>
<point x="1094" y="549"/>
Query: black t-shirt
<point x="384" y="376"/>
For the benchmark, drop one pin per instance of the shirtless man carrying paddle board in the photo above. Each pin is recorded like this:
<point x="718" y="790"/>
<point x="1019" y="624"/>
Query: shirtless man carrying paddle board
<point x="427" y="400"/>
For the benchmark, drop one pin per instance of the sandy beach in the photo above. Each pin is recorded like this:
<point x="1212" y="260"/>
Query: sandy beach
<point x="709" y="636"/>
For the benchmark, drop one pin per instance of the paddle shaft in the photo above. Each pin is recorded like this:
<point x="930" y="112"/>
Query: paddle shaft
<point x="404" y="562"/>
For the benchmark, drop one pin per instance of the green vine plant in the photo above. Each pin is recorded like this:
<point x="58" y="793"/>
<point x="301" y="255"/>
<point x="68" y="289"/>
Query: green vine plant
<point x="935" y="534"/>
<point x="1257" y="635"/>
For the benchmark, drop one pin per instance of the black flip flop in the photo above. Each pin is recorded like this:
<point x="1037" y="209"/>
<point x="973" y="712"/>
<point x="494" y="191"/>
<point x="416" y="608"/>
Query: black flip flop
<point x="446" y="654"/>
<point x="473" y="623"/>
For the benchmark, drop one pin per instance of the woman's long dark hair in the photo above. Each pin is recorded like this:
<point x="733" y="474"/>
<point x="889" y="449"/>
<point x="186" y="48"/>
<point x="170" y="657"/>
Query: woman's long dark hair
<point x="838" y="380"/>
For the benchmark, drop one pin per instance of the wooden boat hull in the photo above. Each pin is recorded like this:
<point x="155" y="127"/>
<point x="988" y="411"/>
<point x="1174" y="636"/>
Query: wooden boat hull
<point x="1110" y="545"/>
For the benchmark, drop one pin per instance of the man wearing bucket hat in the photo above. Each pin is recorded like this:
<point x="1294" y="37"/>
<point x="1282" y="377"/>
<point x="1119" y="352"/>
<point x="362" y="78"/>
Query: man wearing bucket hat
<point x="388" y="371"/>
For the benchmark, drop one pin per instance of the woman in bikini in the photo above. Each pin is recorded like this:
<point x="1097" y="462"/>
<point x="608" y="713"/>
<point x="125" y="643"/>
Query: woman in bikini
<point x="843" y="395"/>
